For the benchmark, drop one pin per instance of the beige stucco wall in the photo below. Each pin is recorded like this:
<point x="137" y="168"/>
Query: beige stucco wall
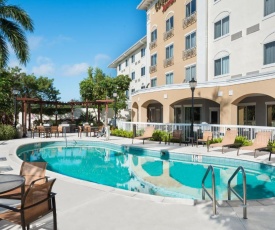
<point x="158" y="20"/>
<point x="227" y="97"/>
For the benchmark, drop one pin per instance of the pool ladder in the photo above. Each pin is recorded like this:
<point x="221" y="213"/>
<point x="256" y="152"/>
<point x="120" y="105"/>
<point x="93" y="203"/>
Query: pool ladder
<point x="229" y="189"/>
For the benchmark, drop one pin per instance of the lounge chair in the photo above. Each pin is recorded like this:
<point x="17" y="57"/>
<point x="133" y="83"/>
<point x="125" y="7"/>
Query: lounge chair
<point x="206" y="137"/>
<point x="260" y="142"/>
<point x="37" y="202"/>
<point x="176" y="135"/>
<point x="227" y="141"/>
<point x="148" y="133"/>
<point x="31" y="171"/>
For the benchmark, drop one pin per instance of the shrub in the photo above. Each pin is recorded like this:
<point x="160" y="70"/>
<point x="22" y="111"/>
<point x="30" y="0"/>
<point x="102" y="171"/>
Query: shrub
<point x="271" y="145"/>
<point x="243" y="141"/>
<point x="7" y="132"/>
<point x="159" y="135"/>
<point x="215" y="140"/>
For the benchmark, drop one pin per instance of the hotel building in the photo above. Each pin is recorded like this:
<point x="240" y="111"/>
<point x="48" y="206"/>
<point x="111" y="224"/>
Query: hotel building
<point x="227" y="47"/>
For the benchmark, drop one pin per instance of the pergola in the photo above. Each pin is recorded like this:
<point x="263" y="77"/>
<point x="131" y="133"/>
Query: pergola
<point x="28" y="101"/>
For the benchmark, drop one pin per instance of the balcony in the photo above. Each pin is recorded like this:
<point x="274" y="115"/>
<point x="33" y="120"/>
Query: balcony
<point x="189" y="20"/>
<point x="153" y="44"/>
<point x="186" y="54"/>
<point x="168" y="34"/>
<point x="153" y="69"/>
<point x="168" y="62"/>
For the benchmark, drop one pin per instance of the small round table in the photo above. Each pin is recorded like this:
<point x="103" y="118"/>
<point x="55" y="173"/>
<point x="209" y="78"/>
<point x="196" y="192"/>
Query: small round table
<point x="9" y="182"/>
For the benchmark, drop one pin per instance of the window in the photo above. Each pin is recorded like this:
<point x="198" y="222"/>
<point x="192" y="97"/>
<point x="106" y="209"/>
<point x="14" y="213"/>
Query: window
<point x="154" y="35"/>
<point x="154" y="60"/>
<point x="133" y="75"/>
<point x="190" y="41"/>
<point x="142" y="52"/>
<point x="119" y="67"/>
<point x="221" y="27"/>
<point x="169" y="78"/>
<point x="269" y="53"/>
<point x="142" y="71"/>
<point x="132" y="90"/>
<point x="126" y="62"/>
<point x="222" y="66"/>
<point x="246" y="115"/>
<point x="269" y="7"/>
<point x="188" y="114"/>
<point x="169" y="23"/>
<point x="271" y="115"/>
<point x="153" y="82"/>
<point x="190" y="72"/>
<point x="142" y="86"/>
<point x="190" y="8"/>
<point x="127" y="94"/>
<point x="133" y="58"/>
<point x="169" y="51"/>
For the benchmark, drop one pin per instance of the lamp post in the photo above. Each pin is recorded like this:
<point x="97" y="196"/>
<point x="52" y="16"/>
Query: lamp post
<point x="192" y="84"/>
<point x="15" y="92"/>
<point x="115" y="96"/>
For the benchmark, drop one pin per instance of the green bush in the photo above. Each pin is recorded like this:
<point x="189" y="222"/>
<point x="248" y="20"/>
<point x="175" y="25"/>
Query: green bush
<point x="243" y="141"/>
<point x="159" y="135"/>
<point x="215" y="140"/>
<point x="121" y="133"/>
<point x="7" y="132"/>
<point x="271" y="145"/>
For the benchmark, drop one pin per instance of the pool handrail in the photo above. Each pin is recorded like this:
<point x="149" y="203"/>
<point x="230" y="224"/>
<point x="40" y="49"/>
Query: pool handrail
<point x="230" y="189"/>
<point x="204" y="190"/>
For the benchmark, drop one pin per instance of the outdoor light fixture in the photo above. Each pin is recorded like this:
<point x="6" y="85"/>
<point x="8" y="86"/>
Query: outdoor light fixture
<point x="192" y="84"/>
<point x="15" y="92"/>
<point x="115" y="96"/>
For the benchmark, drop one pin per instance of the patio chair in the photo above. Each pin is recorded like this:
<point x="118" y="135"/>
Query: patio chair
<point x="87" y="129"/>
<point x="37" y="202"/>
<point x="206" y="137"/>
<point x="54" y="130"/>
<point x="260" y="143"/>
<point x="41" y="130"/>
<point x="175" y="135"/>
<point x="101" y="132"/>
<point x="227" y="141"/>
<point x="31" y="171"/>
<point x="148" y="133"/>
<point x="60" y="130"/>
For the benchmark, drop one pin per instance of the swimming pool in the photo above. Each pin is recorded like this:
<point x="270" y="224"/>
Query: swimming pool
<point x="148" y="171"/>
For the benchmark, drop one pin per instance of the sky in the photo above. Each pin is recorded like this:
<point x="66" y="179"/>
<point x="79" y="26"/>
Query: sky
<point x="70" y="36"/>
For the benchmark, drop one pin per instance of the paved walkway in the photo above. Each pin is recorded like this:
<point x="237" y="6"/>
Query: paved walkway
<point x="83" y="205"/>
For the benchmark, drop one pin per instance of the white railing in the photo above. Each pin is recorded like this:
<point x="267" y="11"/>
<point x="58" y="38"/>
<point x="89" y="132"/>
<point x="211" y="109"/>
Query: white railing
<point x="218" y="130"/>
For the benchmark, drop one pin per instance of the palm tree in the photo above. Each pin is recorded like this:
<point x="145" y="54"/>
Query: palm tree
<point x="14" y="21"/>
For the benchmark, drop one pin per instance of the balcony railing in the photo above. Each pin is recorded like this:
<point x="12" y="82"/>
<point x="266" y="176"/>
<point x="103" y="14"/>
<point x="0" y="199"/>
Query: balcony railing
<point x="153" y="69"/>
<point x="168" y="62"/>
<point x="153" y="44"/>
<point x="189" y="20"/>
<point x="168" y="34"/>
<point x="186" y="54"/>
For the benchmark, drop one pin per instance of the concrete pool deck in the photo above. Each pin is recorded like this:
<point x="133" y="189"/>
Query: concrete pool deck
<point x="84" y="205"/>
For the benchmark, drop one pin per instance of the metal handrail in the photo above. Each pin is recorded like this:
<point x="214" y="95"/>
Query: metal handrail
<point x="213" y="197"/>
<point x="229" y="189"/>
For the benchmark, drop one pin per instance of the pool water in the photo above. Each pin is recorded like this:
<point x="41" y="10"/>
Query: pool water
<point x="145" y="172"/>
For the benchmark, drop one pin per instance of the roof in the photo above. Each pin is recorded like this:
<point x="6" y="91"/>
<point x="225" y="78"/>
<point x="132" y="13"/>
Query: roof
<point x="128" y="52"/>
<point x="144" y="4"/>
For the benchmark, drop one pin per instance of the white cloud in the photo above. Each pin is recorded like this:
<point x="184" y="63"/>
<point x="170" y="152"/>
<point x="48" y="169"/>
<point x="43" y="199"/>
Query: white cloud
<point x="75" y="70"/>
<point x="60" y="39"/>
<point x="34" y="42"/>
<point x="100" y="58"/>
<point x="45" y="67"/>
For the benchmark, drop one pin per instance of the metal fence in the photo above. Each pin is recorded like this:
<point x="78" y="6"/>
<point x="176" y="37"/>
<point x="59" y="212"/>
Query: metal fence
<point x="217" y="130"/>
